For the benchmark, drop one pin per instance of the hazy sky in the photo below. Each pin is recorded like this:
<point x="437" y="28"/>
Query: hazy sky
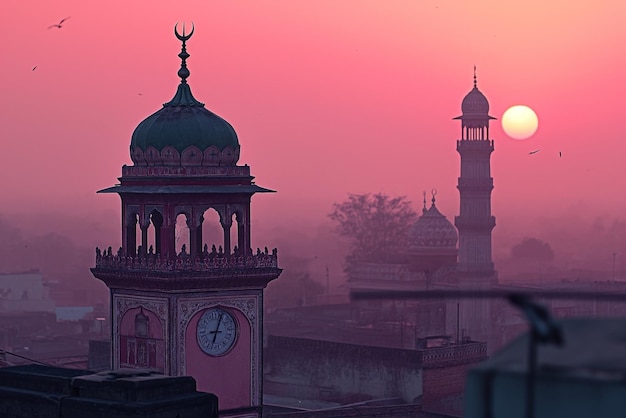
<point x="327" y="97"/>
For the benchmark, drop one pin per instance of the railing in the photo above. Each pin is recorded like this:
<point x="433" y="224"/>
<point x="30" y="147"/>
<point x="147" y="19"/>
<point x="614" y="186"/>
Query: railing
<point x="107" y="260"/>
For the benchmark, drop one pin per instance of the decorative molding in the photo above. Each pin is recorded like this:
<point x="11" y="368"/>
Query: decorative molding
<point x="191" y="156"/>
<point x="124" y="302"/>
<point x="183" y="171"/>
<point x="152" y="156"/>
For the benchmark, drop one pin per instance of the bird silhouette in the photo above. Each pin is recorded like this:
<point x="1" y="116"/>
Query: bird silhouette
<point x="60" y="24"/>
<point x="560" y="155"/>
<point x="34" y="68"/>
<point x="534" y="152"/>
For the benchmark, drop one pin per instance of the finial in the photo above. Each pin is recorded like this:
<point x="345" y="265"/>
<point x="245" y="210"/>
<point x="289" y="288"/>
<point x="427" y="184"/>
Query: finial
<point x="434" y="193"/>
<point x="474" y="75"/>
<point x="183" y="73"/>
<point x="183" y="96"/>
<point x="424" y="210"/>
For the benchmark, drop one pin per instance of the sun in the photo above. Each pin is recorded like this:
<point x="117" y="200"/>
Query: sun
<point x="520" y="122"/>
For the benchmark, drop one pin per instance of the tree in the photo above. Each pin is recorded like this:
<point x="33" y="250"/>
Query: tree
<point x="376" y="226"/>
<point x="532" y="250"/>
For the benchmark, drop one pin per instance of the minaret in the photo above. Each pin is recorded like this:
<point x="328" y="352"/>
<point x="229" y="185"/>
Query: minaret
<point x="475" y="221"/>
<point x="189" y="308"/>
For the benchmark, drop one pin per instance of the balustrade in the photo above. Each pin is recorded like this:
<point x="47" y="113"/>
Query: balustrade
<point x="215" y="260"/>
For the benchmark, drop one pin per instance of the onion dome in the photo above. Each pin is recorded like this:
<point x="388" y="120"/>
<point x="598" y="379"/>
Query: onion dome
<point x="432" y="230"/>
<point x="475" y="103"/>
<point x="184" y="132"/>
<point x="475" y="108"/>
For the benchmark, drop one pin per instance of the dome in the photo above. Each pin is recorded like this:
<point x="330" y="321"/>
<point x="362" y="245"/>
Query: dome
<point x="184" y="132"/>
<point x="475" y="109"/>
<point x="475" y="103"/>
<point x="432" y="230"/>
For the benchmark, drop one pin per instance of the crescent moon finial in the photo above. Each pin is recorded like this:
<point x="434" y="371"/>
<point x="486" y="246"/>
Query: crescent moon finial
<point x="434" y="193"/>
<point x="183" y="37"/>
<point x="183" y="73"/>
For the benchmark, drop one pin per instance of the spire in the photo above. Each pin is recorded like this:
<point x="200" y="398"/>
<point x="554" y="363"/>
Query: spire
<point x="474" y="72"/>
<point x="183" y="73"/>
<point x="183" y="96"/>
<point x="434" y="193"/>
<point x="424" y="210"/>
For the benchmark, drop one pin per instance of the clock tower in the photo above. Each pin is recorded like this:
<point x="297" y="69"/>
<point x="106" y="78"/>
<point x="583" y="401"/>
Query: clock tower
<point x="182" y="303"/>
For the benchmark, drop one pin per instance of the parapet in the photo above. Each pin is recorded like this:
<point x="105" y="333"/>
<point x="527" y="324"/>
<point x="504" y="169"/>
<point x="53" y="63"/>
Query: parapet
<point x="45" y="391"/>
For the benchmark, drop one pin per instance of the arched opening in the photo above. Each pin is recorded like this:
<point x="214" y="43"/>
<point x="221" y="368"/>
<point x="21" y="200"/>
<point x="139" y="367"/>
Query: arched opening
<point x="234" y="237"/>
<point x="132" y="232"/>
<point x="154" y="233"/>
<point x="212" y="236"/>
<point x="181" y="235"/>
<point x="239" y="235"/>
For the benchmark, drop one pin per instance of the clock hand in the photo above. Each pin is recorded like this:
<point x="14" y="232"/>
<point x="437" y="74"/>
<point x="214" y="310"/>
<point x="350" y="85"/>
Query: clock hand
<point x="219" y="321"/>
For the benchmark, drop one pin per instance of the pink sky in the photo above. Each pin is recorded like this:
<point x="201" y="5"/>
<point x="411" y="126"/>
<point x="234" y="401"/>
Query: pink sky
<point x="327" y="97"/>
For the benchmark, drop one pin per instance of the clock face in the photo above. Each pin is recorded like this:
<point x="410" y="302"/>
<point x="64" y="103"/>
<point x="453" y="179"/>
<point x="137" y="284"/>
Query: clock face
<point x="217" y="331"/>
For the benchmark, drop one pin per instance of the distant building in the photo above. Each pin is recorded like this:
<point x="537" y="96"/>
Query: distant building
<point x="178" y="304"/>
<point x="24" y="292"/>
<point x="432" y="261"/>
<point x="475" y="268"/>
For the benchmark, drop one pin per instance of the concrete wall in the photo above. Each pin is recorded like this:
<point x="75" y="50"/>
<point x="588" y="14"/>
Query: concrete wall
<point x="313" y="369"/>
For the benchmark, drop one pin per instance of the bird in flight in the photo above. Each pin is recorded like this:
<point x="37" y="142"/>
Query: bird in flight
<point x="60" y="24"/>
<point x="560" y="154"/>
<point x="534" y="152"/>
<point x="34" y="68"/>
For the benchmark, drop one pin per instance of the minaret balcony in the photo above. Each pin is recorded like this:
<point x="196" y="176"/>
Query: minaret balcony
<point x="479" y="146"/>
<point x="475" y="183"/>
<point x="477" y="224"/>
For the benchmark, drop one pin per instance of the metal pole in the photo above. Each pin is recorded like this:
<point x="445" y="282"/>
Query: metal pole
<point x="458" y="341"/>
<point x="530" y="378"/>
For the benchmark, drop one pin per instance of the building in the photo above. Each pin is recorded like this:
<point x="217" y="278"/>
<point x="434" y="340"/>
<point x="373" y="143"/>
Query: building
<point x="179" y="305"/>
<point x="475" y="268"/>
<point x="25" y="292"/>
<point x="432" y="260"/>
<point x="432" y="341"/>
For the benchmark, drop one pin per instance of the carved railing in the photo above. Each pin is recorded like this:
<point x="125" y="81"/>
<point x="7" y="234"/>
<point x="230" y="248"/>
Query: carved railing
<point x="211" y="262"/>
<point x="454" y="353"/>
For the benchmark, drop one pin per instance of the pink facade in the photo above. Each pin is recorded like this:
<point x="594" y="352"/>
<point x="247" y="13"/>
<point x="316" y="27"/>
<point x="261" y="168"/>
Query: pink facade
<point x="229" y="375"/>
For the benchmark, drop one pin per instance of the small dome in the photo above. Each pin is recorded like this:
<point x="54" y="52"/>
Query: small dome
<point x="432" y="230"/>
<point x="183" y="132"/>
<point x="475" y="103"/>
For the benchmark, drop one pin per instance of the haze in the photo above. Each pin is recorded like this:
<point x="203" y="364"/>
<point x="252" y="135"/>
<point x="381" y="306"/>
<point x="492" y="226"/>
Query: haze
<point x="328" y="98"/>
